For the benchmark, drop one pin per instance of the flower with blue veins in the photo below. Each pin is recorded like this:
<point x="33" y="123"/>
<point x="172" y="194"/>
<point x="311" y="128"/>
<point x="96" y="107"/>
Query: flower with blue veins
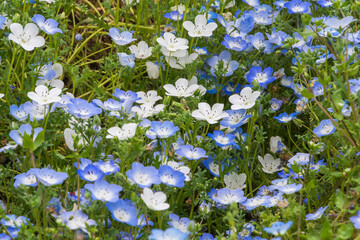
<point x="258" y="41"/>
<point x="284" y="117"/>
<point x="170" y="233"/>
<point x="245" y="23"/>
<point x="275" y="104"/>
<point x="191" y="153"/>
<point x="278" y="228"/>
<point x="297" y="6"/>
<point x="127" y="60"/>
<point x="77" y="220"/>
<point x="123" y="211"/>
<point x="290" y="188"/>
<point x="27" y="179"/>
<point x="252" y="203"/>
<point x="81" y="108"/>
<point x="25" y="129"/>
<point x="263" y="77"/>
<point x="50" y="177"/>
<point x="316" y="215"/>
<point x="162" y="129"/>
<point x="104" y="191"/>
<point x="237" y="44"/>
<point x="143" y="176"/>
<point x="325" y="3"/>
<point x="49" y="26"/>
<point x="171" y="177"/>
<point x="221" y="139"/>
<point x="326" y="127"/>
<point x="121" y="38"/>
<point x="222" y="64"/>
<point x="107" y="167"/>
<point x="181" y="224"/>
<point x="227" y="196"/>
<point x="19" y="112"/>
<point x="213" y="167"/>
<point x="174" y="15"/>
<point x="252" y="3"/>
<point x="90" y="173"/>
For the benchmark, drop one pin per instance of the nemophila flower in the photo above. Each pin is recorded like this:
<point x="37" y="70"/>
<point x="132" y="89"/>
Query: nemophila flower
<point x="263" y="77"/>
<point x="245" y="100"/>
<point x="235" y="119"/>
<point x="207" y="236"/>
<point x="297" y="6"/>
<point x="81" y="108"/>
<point x="278" y="183"/>
<point x="121" y="38"/>
<point x="8" y="147"/>
<point x="171" y="177"/>
<point x="150" y="97"/>
<point x="142" y="50"/>
<point x="104" y="191"/>
<point x="127" y="131"/>
<point x="277" y="37"/>
<point x="181" y="62"/>
<point x="252" y="3"/>
<point x="107" y="167"/>
<point x="174" y="15"/>
<point x="3" y="236"/>
<point x="205" y="207"/>
<point x="27" y="179"/>
<point x="325" y="3"/>
<point x="237" y="44"/>
<point x="78" y="37"/>
<point x="269" y="164"/>
<point x="235" y="181"/>
<point x="300" y="159"/>
<point x="90" y="173"/>
<point x="326" y="127"/>
<point x="17" y="135"/>
<point x="227" y="196"/>
<point x="153" y="70"/>
<point x="221" y="139"/>
<point x="13" y="221"/>
<point x="143" y="176"/>
<point x="252" y="203"/>
<point x="354" y="86"/>
<point x="337" y="24"/>
<point x="154" y="201"/>
<point x="263" y="17"/>
<point x="284" y="117"/>
<point x="245" y="23"/>
<point x="19" y="112"/>
<point x="276" y="144"/>
<point x="181" y="224"/>
<point x="122" y="211"/>
<point x="275" y="104"/>
<point x="182" y="88"/>
<point x="50" y="74"/>
<point x="290" y="188"/>
<point x="43" y="96"/>
<point x="200" y="27"/>
<point x="147" y="110"/>
<point x="258" y="41"/>
<point x="2" y="21"/>
<point x="50" y="177"/>
<point x="201" y="50"/>
<point x="278" y="228"/>
<point x="77" y="220"/>
<point x="356" y="220"/>
<point x="170" y="233"/>
<point x="127" y="60"/>
<point x="191" y="153"/>
<point x="162" y="129"/>
<point x="49" y="26"/>
<point x="317" y="214"/>
<point x="172" y="44"/>
<point x="26" y="37"/>
<point x="211" y="114"/>
<point x="179" y="166"/>
<point x="273" y="200"/>
<point x="222" y="64"/>
<point x="110" y="105"/>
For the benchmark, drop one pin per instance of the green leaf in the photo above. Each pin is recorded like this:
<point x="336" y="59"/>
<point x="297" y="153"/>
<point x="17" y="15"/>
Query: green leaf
<point x="28" y="142"/>
<point x="353" y="70"/>
<point x="39" y="140"/>
<point x="339" y="199"/>
<point x="345" y="231"/>
<point x="307" y="94"/>
<point x="326" y="232"/>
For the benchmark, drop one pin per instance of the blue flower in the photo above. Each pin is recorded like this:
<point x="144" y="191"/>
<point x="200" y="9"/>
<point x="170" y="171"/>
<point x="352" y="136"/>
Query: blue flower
<point x="81" y="108"/>
<point x="317" y="214"/>
<point x="143" y="176"/>
<point x="221" y="139"/>
<point x="245" y="23"/>
<point x="122" y="211"/>
<point x="213" y="167"/>
<point x="162" y="129"/>
<point x="83" y="163"/>
<point x="78" y="37"/>
<point x="171" y="177"/>
<point x="104" y="191"/>
<point x="326" y="127"/>
<point x="237" y="44"/>
<point x="227" y="196"/>
<point x="17" y="135"/>
<point x="127" y="60"/>
<point x="50" y="177"/>
<point x="13" y="221"/>
<point x="290" y="188"/>
<point x="27" y="179"/>
<point x="224" y="59"/>
<point x="90" y="173"/>
<point x="318" y="88"/>
<point x="201" y="51"/>
<point x="3" y="236"/>
<point x="278" y="228"/>
<point x="235" y="119"/>
<point x="207" y="236"/>
<point x="297" y="6"/>
<point x="19" y="112"/>
<point x="174" y="15"/>
<point x="121" y="38"/>
<point x="252" y="203"/>
<point x="253" y="3"/>
<point x="275" y="104"/>
<point x="263" y="77"/>
<point x="181" y="224"/>
<point x="356" y="220"/>
<point x="191" y="153"/>
<point x="107" y="167"/>
<point x="127" y="98"/>
<point x="284" y="117"/>
<point x="170" y="233"/>
<point x="277" y="37"/>
<point x="325" y="3"/>
<point x="2" y="21"/>
<point x="258" y="41"/>
<point x="49" y="26"/>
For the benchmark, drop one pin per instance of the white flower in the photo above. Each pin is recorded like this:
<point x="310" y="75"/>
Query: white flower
<point x="234" y="180"/>
<point x="245" y="100"/>
<point x="154" y="201"/>
<point x="276" y="144"/>
<point x="180" y="62"/>
<point x="181" y="88"/>
<point x="152" y="70"/>
<point x="127" y="131"/>
<point x="173" y="43"/>
<point x="335" y="23"/>
<point x="43" y="96"/>
<point x="1" y="95"/>
<point x="48" y="1"/>
<point x="211" y="115"/>
<point x="147" y="110"/>
<point x="179" y="166"/>
<point x="26" y="37"/>
<point x="50" y="74"/>
<point x="201" y="28"/>
<point x="70" y="135"/>
<point x="148" y="98"/>
<point x="269" y="164"/>
<point x="180" y="8"/>
<point x="142" y="50"/>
